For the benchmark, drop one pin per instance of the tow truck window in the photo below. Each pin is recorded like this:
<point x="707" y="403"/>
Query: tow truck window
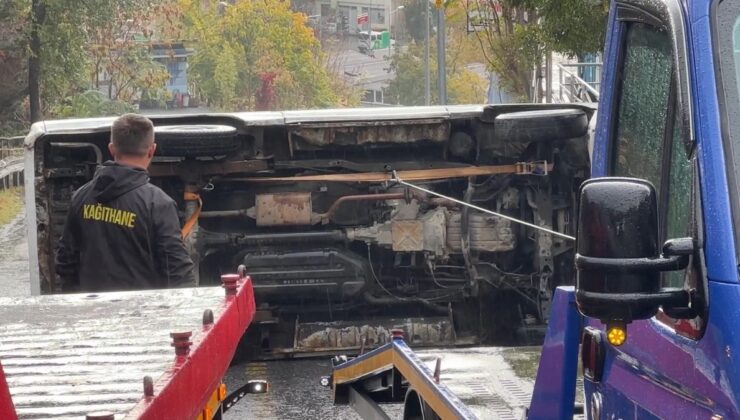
<point x="643" y="105"/>
<point x="649" y="136"/>
<point x="678" y="198"/>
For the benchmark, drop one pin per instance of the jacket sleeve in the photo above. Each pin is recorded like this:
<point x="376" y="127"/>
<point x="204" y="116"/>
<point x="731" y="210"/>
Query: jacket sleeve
<point x="67" y="258"/>
<point x="174" y="262"/>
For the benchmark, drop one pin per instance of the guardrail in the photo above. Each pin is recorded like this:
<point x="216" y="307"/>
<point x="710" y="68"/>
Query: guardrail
<point x="11" y="162"/>
<point x="573" y="88"/>
<point x="11" y="147"/>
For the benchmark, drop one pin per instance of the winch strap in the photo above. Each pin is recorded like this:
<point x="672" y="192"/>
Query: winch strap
<point x="533" y="168"/>
<point x="187" y="228"/>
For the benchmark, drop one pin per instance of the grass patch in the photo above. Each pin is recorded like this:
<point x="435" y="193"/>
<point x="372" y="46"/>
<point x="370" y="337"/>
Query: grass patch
<point x="526" y="360"/>
<point x="523" y="360"/>
<point x="11" y="202"/>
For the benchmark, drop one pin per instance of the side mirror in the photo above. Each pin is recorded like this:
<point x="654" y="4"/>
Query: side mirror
<point x="618" y="258"/>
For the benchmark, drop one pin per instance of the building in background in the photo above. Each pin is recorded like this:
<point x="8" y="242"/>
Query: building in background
<point x="338" y="12"/>
<point x="174" y="57"/>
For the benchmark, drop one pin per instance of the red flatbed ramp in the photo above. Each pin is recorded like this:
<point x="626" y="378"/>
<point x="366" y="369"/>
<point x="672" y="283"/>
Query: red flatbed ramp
<point x="66" y="356"/>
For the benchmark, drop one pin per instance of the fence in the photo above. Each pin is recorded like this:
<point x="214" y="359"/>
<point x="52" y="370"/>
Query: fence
<point x="11" y="162"/>
<point x="11" y="147"/>
<point x="573" y="88"/>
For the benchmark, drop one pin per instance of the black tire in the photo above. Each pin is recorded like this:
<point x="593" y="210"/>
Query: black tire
<point x="415" y="408"/>
<point x="540" y="125"/>
<point x="196" y="140"/>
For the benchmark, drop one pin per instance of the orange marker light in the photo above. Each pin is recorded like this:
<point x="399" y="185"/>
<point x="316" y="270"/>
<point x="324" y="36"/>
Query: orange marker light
<point x="616" y="333"/>
<point x="222" y="392"/>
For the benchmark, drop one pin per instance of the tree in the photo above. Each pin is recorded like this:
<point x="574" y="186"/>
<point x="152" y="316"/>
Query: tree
<point x="13" y="67"/>
<point x="464" y="85"/>
<point x="407" y="88"/>
<point x="91" y="103"/>
<point x="56" y="45"/>
<point x="67" y="40"/>
<point x="36" y="19"/>
<point x="119" y="48"/>
<point x="334" y="60"/>
<point x="238" y="45"/>
<point x="52" y="51"/>
<point x="573" y="27"/>
<point x="510" y="42"/>
<point x="515" y="34"/>
<point x="414" y="12"/>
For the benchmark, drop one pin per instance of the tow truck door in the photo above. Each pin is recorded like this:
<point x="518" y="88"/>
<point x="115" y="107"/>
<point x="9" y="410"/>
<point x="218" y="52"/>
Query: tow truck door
<point x="668" y="368"/>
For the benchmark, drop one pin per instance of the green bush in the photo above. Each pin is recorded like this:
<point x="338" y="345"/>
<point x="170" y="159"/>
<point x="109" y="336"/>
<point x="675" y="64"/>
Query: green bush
<point x="90" y="104"/>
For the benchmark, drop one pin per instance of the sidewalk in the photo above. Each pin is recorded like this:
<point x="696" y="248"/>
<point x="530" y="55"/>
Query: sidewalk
<point x="14" y="276"/>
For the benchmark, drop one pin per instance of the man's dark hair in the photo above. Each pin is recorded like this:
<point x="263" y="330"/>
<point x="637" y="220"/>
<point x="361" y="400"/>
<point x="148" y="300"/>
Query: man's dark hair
<point x="132" y="134"/>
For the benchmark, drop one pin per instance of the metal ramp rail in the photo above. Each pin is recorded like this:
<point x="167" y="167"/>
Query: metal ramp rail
<point x="393" y="373"/>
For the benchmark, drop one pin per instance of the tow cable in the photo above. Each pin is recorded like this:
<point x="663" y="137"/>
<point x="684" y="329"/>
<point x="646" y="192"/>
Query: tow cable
<point x="395" y="178"/>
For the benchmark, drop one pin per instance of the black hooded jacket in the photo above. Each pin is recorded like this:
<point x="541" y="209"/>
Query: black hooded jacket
<point x="122" y="233"/>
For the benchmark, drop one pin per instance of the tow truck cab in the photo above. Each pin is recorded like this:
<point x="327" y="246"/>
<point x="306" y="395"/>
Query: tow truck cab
<point x="660" y="333"/>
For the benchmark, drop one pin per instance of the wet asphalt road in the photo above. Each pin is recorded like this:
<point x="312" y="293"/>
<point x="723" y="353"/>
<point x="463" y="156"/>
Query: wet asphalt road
<point x="494" y="382"/>
<point x="14" y="279"/>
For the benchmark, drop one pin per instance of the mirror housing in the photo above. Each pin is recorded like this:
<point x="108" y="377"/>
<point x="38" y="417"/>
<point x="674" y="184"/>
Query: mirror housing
<point x="618" y="259"/>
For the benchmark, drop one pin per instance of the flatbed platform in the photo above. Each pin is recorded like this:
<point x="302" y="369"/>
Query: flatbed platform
<point x="66" y="356"/>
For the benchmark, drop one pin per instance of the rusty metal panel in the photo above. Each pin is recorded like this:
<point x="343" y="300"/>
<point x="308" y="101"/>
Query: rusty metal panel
<point x="356" y="134"/>
<point x="487" y="233"/>
<point x="319" y="336"/>
<point x="365" y="115"/>
<point x="68" y="355"/>
<point x="408" y="235"/>
<point x="283" y="209"/>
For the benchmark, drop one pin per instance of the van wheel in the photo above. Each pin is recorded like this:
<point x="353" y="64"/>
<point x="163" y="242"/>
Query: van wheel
<point x="196" y="140"/>
<point x="414" y="408"/>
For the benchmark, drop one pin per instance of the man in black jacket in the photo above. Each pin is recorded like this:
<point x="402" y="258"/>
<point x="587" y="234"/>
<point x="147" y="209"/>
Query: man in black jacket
<point x="123" y="233"/>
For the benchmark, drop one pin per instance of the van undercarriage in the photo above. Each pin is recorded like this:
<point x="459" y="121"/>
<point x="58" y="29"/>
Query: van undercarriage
<point x="340" y="254"/>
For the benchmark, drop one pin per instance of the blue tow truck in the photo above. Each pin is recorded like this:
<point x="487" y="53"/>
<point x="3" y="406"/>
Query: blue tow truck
<point x="655" y="311"/>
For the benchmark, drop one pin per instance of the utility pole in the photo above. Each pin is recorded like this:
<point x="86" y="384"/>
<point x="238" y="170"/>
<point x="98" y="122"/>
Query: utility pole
<point x="390" y="33"/>
<point x="37" y="18"/>
<point x="548" y="77"/>
<point x="441" y="66"/>
<point x="390" y="28"/>
<point x="427" y="96"/>
<point x="370" y="24"/>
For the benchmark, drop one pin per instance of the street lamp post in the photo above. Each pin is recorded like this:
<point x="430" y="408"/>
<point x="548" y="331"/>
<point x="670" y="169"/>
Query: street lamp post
<point x="390" y="28"/>
<point x="427" y="98"/>
<point x="441" y="65"/>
